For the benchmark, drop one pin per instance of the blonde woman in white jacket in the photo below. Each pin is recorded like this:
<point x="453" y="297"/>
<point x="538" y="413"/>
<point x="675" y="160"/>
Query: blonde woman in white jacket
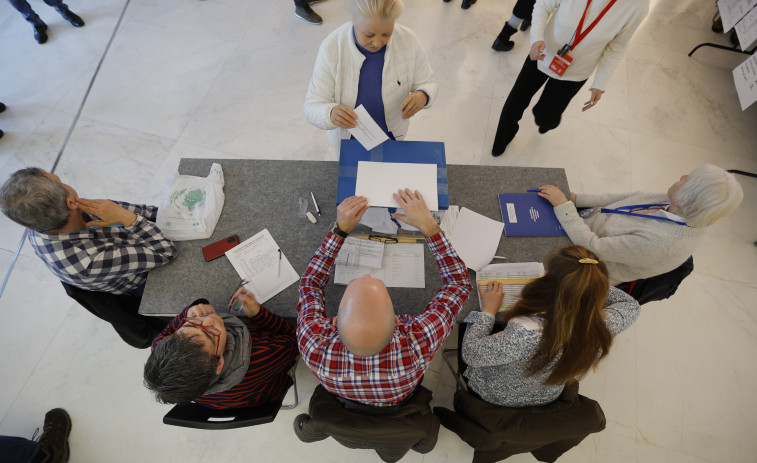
<point x="374" y="62"/>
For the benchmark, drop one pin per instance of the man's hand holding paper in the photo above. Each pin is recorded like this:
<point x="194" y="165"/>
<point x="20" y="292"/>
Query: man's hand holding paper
<point x="416" y="212"/>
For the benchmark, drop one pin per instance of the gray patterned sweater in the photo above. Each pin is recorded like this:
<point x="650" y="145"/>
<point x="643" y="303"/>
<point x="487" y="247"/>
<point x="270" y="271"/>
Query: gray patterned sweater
<point x="497" y="362"/>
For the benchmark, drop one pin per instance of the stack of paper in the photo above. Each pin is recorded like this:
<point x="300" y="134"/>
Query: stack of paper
<point x="513" y="276"/>
<point x="475" y="238"/>
<point x="360" y="253"/>
<point x="260" y="261"/>
<point x="401" y="267"/>
<point x="378" y="181"/>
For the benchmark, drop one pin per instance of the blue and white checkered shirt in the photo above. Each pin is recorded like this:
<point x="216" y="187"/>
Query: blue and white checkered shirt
<point x="108" y="259"/>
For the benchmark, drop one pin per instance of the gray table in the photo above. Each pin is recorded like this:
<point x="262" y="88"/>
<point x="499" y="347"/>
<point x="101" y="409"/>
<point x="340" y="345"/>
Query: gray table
<point x="264" y="194"/>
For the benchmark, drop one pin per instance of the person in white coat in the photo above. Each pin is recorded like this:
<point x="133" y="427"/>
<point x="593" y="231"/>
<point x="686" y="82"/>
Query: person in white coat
<point x="373" y="62"/>
<point x="566" y="47"/>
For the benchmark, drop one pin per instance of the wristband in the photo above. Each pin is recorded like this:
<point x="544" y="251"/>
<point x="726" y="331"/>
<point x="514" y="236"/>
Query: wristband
<point x="339" y="232"/>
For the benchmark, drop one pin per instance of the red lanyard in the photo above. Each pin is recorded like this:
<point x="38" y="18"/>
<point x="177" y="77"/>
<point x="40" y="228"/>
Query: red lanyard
<point x="580" y="33"/>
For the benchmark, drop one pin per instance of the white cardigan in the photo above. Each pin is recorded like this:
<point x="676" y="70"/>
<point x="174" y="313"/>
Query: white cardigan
<point x="602" y="49"/>
<point x="337" y="72"/>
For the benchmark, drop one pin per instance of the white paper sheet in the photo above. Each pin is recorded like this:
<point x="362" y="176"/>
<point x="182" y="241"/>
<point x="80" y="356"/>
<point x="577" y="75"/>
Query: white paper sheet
<point x="367" y="132"/>
<point x="745" y="78"/>
<point x="509" y="274"/>
<point x="449" y="219"/>
<point x="731" y="11"/>
<point x="360" y="253"/>
<point x="402" y="267"/>
<point x="257" y="260"/>
<point x="378" y="181"/>
<point x="746" y="29"/>
<point x="379" y="220"/>
<point x="475" y="238"/>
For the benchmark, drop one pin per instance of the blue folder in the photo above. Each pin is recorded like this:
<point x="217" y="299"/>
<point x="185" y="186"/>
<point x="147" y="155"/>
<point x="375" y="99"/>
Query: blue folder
<point x="417" y="152"/>
<point x="527" y="214"/>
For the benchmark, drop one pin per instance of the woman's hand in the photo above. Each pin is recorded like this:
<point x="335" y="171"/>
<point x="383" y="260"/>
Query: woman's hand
<point x="536" y="50"/>
<point x="553" y="194"/>
<point x="596" y="94"/>
<point x="343" y="116"/>
<point x="413" y="103"/>
<point x="491" y="297"/>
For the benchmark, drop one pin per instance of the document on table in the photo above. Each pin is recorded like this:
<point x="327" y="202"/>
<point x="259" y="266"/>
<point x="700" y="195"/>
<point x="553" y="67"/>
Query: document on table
<point x="379" y="220"/>
<point x="378" y="181"/>
<point x="360" y="253"/>
<point x="731" y="11"/>
<point x="257" y="261"/>
<point x="401" y="267"/>
<point x="746" y="29"/>
<point x="449" y="219"/>
<point x="475" y="238"/>
<point x="745" y="78"/>
<point x="367" y="131"/>
<point x="514" y="277"/>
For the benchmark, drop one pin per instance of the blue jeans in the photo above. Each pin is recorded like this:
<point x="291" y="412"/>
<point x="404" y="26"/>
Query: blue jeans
<point x="25" y="9"/>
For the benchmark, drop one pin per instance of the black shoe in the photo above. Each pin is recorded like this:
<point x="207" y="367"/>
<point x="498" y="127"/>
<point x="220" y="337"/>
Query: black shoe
<point x="39" y="34"/>
<point x="2" y="107"/>
<point x="467" y="4"/>
<point x="72" y="17"/>
<point x="447" y="1"/>
<point x="54" y="438"/>
<point x="307" y="14"/>
<point x="503" y="42"/>
<point x="311" y="2"/>
<point x="525" y="25"/>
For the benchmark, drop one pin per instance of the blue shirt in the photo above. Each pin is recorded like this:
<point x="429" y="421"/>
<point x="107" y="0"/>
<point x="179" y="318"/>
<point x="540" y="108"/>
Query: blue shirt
<point x="369" y="85"/>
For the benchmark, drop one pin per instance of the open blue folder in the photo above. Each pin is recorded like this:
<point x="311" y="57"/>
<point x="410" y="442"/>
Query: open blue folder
<point x="527" y="214"/>
<point x="416" y="152"/>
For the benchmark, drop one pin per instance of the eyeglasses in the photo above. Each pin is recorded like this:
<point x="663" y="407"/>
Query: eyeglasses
<point x="211" y="330"/>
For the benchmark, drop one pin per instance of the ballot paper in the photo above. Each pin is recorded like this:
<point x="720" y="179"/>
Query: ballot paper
<point x="379" y="219"/>
<point x="367" y="132"/>
<point x="745" y="78"/>
<point x="746" y="29"/>
<point x="401" y="267"/>
<point x="475" y="237"/>
<point x="360" y="253"/>
<point x="731" y="11"/>
<point x="378" y="181"/>
<point x="259" y="261"/>
<point x="513" y="276"/>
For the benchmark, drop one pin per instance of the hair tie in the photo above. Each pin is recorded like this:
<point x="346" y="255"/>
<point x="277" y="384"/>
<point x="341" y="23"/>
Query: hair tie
<point x="586" y="260"/>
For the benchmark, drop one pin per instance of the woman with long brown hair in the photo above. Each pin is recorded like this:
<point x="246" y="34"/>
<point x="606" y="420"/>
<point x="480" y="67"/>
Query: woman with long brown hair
<point x="560" y="328"/>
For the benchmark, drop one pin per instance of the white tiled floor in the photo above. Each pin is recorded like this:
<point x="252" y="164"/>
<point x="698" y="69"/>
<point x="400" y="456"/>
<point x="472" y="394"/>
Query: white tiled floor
<point x="227" y="79"/>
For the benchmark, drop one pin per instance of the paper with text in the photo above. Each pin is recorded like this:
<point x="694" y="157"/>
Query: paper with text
<point x="513" y="276"/>
<point x="746" y="29"/>
<point x="475" y="238"/>
<point x="401" y="267"/>
<point x="378" y="181"/>
<point x="731" y="11"/>
<point x="360" y="253"/>
<point x="367" y="132"/>
<point x="745" y="78"/>
<point x="257" y="260"/>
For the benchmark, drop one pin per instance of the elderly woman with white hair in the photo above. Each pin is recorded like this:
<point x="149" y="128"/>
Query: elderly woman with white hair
<point x="373" y="62"/>
<point x="642" y="235"/>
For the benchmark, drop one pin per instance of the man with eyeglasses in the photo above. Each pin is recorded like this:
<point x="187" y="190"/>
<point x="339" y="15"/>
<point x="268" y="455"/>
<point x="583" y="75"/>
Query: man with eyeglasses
<point x="219" y="360"/>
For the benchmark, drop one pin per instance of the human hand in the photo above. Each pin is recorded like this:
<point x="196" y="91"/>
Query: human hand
<point x="596" y="94"/>
<point x="416" y="212"/>
<point x="573" y="197"/>
<point x="350" y="211"/>
<point x="343" y="116"/>
<point x="413" y="103"/>
<point x="553" y="194"/>
<point x="250" y="305"/>
<point x="492" y="295"/>
<point x="536" y="50"/>
<point x="109" y="213"/>
<point x="200" y="310"/>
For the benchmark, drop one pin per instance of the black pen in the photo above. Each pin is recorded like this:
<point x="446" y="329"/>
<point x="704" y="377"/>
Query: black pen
<point x="317" y="209"/>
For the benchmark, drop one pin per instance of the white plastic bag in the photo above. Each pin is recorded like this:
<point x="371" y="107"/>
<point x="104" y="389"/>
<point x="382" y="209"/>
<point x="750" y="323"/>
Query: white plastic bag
<point x="191" y="205"/>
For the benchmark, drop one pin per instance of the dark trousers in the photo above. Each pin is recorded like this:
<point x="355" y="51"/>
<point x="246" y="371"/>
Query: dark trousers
<point x="20" y="450"/>
<point x="121" y="311"/>
<point x="524" y="8"/>
<point x="25" y="9"/>
<point x="547" y="112"/>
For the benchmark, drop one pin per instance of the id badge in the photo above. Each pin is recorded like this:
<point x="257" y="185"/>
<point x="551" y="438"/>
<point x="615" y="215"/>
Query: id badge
<point x="560" y="63"/>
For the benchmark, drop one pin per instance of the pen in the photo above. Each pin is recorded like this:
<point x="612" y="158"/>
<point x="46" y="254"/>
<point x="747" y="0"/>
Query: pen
<point x="317" y="209"/>
<point x="278" y="271"/>
<point x="534" y="191"/>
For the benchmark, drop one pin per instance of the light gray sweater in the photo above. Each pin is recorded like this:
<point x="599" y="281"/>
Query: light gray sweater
<point x="631" y="247"/>
<point x="497" y="362"/>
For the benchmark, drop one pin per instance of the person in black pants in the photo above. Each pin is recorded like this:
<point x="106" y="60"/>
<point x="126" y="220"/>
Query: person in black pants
<point x="303" y="11"/>
<point x="521" y="12"/>
<point x="40" y="27"/>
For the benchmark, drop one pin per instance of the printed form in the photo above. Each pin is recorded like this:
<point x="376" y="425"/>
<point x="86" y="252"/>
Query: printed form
<point x="513" y="276"/>
<point x="402" y="267"/>
<point x="360" y="253"/>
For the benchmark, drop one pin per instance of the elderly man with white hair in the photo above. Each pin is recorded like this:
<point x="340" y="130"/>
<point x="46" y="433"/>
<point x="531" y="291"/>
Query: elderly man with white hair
<point x="367" y="354"/>
<point x="642" y="235"/>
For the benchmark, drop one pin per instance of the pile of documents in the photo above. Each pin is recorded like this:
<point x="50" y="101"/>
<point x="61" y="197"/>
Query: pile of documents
<point x="513" y="276"/>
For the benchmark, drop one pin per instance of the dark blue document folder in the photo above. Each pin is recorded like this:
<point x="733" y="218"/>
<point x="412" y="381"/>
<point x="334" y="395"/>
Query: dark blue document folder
<point x="416" y="152"/>
<point x="527" y="214"/>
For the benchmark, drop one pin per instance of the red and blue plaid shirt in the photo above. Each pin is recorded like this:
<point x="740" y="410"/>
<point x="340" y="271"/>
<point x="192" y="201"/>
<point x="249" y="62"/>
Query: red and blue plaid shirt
<point x="390" y="376"/>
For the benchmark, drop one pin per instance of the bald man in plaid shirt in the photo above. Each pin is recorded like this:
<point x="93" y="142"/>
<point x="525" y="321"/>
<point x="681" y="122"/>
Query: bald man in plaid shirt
<point x="368" y="354"/>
